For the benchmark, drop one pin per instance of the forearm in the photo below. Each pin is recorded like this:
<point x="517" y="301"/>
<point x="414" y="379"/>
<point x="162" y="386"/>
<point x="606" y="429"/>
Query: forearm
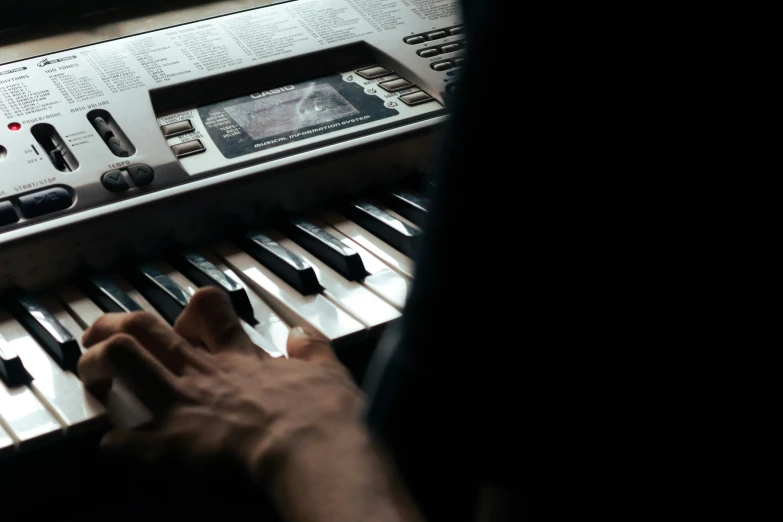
<point x="342" y="476"/>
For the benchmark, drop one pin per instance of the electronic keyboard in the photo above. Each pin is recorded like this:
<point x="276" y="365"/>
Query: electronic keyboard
<point x="275" y="153"/>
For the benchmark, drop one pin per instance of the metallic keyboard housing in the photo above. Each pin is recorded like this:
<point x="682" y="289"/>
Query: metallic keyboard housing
<point x="191" y="201"/>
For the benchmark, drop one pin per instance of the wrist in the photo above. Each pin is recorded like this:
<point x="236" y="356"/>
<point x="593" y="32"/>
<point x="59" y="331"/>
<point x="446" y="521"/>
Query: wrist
<point x="335" y="473"/>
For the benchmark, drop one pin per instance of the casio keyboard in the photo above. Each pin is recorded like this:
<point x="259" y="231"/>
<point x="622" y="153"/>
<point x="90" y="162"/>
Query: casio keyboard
<point x="271" y="152"/>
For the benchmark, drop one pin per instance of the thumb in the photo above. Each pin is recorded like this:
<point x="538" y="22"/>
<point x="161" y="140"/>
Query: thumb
<point x="309" y="346"/>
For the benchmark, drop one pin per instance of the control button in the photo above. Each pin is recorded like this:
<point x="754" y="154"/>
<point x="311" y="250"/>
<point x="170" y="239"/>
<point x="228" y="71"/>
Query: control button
<point x="118" y="148"/>
<point x="453" y="89"/>
<point x="373" y="72"/>
<point x="58" y="159"/>
<point x="103" y="128"/>
<point x="449" y="48"/>
<point x="395" y="85"/>
<point x="415" y="98"/>
<point x="45" y="202"/>
<point x="456" y="30"/>
<point x="114" y="182"/>
<point x="188" y="149"/>
<point x="7" y="214"/>
<point x="428" y="53"/>
<point x="413" y="40"/>
<point x="437" y="35"/>
<point x="142" y="175"/>
<point x="442" y="66"/>
<point x="459" y="62"/>
<point x="175" y="129"/>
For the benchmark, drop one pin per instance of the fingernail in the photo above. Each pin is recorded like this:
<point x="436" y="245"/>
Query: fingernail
<point x="299" y="333"/>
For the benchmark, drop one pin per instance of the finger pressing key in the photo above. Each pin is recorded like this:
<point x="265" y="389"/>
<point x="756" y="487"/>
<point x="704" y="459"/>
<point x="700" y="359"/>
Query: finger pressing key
<point x="154" y="334"/>
<point x="122" y="356"/>
<point x="211" y="321"/>
<point x="303" y="346"/>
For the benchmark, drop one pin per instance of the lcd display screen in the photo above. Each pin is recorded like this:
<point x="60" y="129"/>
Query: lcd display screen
<point x="293" y="113"/>
<point x="288" y="111"/>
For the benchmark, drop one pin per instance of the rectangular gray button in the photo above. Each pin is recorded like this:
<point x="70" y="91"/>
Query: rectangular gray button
<point x="373" y="72"/>
<point x="442" y="66"/>
<point x="413" y="40"/>
<point x="188" y="149"/>
<point x="175" y="129"/>
<point x="449" y="48"/>
<point x="437" y="35"/>
<point x="428" y="53"/>
<point x="395" y="85"/>
<point x="459" y="62"/>
<point x="416" y="98"/>
<point x="457" y="30"/>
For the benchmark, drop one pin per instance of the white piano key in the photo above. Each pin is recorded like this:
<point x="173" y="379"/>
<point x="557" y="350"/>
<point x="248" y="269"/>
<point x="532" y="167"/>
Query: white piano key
<point x="395" y="259"/>
<point x="272" y="329"/>
<point x="313" y="312"/>
<point x="124" y="409"/>
<point x="61" y="391"/>
<point x="351" y="296"/>
<point x="24" y="417"/>
<point x="6" y="443"/>
<point x="385" y="282"/>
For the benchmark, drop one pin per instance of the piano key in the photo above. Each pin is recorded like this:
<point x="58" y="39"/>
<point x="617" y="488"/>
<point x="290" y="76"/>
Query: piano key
<point x="272" y="329"/>
<point x="385" y="282"/>
<point x="402" y="235"/>
<point x="6" y="443"/>
<point x="312" y="312"/>
<point x="25" y="418"/>
<point x="170" y="291"/>
<point x="203" y="272"/>
<point x="395" y="259"/>
<point x="156" y="282"/>
<point x="61" y="391"/>
<point x="124" y="409"/>
<point x="360" y="302"/>
<point x="323" y="245"/>
<point x="86" y="311"/>
<point x="409" y="205"/>
<point x="289" y="267"/>
<point x="106" y="294"/>
<point x="12" y="371"/>
<point x="46" y="330"/>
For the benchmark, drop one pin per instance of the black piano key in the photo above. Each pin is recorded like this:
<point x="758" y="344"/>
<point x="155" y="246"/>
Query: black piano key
<point x="46" y="330"/>
<point x="327" y="248"/>
<point x="409" y="206"/>
<point x="12" y="371"/>
<point x="387" y="227"/>
<point x="204" y="273"/>
<point x="108" y="296"/>
<point x="285" y="264"/>
<point x="161" y="291"/>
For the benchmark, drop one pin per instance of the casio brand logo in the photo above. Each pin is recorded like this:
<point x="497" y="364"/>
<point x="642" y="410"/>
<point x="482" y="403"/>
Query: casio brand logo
<point x="273" y="91"/>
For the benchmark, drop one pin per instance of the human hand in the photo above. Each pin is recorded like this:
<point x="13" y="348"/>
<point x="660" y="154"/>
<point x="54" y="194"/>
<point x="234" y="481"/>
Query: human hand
<point x="293" y="425"/>
<point x="216" y="396"/>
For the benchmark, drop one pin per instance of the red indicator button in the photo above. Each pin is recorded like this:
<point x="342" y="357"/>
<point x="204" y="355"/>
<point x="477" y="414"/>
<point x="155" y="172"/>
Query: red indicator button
<point x="15" y="126"/>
